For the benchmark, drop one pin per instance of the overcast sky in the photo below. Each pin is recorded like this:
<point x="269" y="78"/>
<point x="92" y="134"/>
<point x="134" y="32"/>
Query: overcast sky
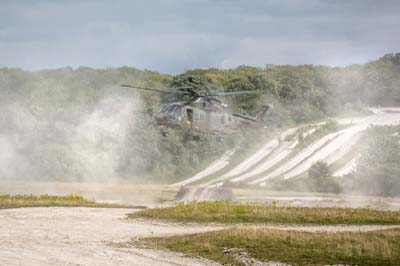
<point x="175" y="35"/>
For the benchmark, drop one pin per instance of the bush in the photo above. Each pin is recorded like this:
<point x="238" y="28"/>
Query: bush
<point x="321" y="179"/>
<point x="318" y="171"/>
<point x="378" y="169"/>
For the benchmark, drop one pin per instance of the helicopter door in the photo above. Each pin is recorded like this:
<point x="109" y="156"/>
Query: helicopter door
<point x="189" y="113"/>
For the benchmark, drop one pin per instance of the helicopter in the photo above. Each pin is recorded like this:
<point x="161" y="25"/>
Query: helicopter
<point x="202" y="112"/>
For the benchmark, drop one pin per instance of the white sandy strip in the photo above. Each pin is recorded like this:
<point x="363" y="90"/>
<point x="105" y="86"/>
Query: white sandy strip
<point x="310" y="132"/>
<point x="348" y="168"/>
<point x="273" y="156"/>
<point x="342" y="150"/>
<point x="341" y="145"/>
<point x="213" y="168"/>
<point x="301" y="156"/>
<point x="385" y="119"/>
<point x="252" y="160"/>
<point x="258" y="156"/>
<point x="261" y="154"/>
<point x="380" y="118"/>
<point x="284" y="150"/>
<point x="338" y="147"/>
<point x="384" y="109"/>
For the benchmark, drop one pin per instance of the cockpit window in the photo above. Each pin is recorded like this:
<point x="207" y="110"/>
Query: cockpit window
<point x="164" y="109"/>
<point x="172" y="111"/>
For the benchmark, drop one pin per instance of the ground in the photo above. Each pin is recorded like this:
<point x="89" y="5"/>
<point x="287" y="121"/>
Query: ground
<point x="84" y="236"/>
<point x="92" y="236"/>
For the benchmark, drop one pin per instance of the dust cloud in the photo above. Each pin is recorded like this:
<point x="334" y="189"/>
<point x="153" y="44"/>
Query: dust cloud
<point x="68" y="141"/>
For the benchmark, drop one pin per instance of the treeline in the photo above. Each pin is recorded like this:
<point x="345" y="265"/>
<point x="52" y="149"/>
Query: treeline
<point x="306" y="92"/>
<point x="79" y="123"/>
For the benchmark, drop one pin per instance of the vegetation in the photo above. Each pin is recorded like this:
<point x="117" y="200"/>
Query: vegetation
<point x="41" y="112"/>
<point x="318" y="170"/>
<point x="295" y="248"/>
<point x="19" y="201"/>
<point x="321" y="179"/>
<point x="378" y="168"/>
<point x="229" y="212"/>
<point x="376" y="173"/>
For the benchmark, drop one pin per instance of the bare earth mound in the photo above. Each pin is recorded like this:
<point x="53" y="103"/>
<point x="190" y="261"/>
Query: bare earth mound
<point x="204" y="193"/>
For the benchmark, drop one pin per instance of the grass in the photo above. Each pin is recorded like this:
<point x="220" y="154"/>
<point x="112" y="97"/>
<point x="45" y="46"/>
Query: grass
<point x="296" y="248"/>
<point x="230" y="212"/>
<point x="19" y="201"/>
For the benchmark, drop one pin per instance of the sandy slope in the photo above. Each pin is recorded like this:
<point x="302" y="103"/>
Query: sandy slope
<point x="281" y="153"/>
<point x="329" y="148"/>
<point x="267" y="150"/>
<point x="81" y="236"/>
<point x="301" y="156"/>
<point x="211" y="169"/>
<point x="348" y="168"/>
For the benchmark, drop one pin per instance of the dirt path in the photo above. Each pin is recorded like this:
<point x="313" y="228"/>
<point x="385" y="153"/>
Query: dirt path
<point x="81" y="236"/>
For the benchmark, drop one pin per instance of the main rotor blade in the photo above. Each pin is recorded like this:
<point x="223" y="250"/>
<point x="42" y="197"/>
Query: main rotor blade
<point x="157" y="90"/>
<point x="233" y="93"/>
<point x="245" y="117"/>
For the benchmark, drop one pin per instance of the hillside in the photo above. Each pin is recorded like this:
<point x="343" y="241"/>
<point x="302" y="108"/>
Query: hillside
<point x="78" y="124"/>
<point x="357" y="154"/>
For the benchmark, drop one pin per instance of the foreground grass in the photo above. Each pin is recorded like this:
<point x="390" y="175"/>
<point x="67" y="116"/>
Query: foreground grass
<point x="229" y="212"/>
<point x="296" y="248"/>
<point x="19" y="201"/>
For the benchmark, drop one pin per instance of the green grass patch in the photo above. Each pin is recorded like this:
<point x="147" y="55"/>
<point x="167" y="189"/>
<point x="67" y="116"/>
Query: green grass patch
<point x="230" y="212"/>
<point x="296" y="248"/>
<point x="20" y="201"/>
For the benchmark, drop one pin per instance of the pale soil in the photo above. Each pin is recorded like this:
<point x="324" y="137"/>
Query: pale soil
<point x="82" y="236"/>
<point x="112" y="190"/>
<point x="87" y="236"/>
<point x="211" y="169"/>
<point x="263" y="152"/>
<point x="330" y="148"/>
<point x="309" y="199"/>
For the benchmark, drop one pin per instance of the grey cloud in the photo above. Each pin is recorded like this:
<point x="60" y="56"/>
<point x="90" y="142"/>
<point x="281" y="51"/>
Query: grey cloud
<point x="172" y="35"/>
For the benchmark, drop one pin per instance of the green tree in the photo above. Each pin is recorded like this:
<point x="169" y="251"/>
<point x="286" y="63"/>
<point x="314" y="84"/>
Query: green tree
<point x="318" y="171"/>
<point x="378" y="169"/>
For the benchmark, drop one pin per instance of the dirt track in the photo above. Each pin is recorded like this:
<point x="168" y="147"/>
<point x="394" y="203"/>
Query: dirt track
<point x="82" y="236"/>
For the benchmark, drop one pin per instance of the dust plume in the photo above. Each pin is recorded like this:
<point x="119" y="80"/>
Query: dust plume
<point x="78" y="142"/>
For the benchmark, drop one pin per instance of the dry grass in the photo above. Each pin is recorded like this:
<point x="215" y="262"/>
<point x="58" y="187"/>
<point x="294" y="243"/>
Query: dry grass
<point x="19" y="201"/>
<point x="229" y="212"/>
<point x="296" y="248"/>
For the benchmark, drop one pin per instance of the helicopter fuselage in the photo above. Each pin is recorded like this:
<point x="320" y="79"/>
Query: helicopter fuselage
<point x="200" y="115"/>
<point x="202" y="112"/>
